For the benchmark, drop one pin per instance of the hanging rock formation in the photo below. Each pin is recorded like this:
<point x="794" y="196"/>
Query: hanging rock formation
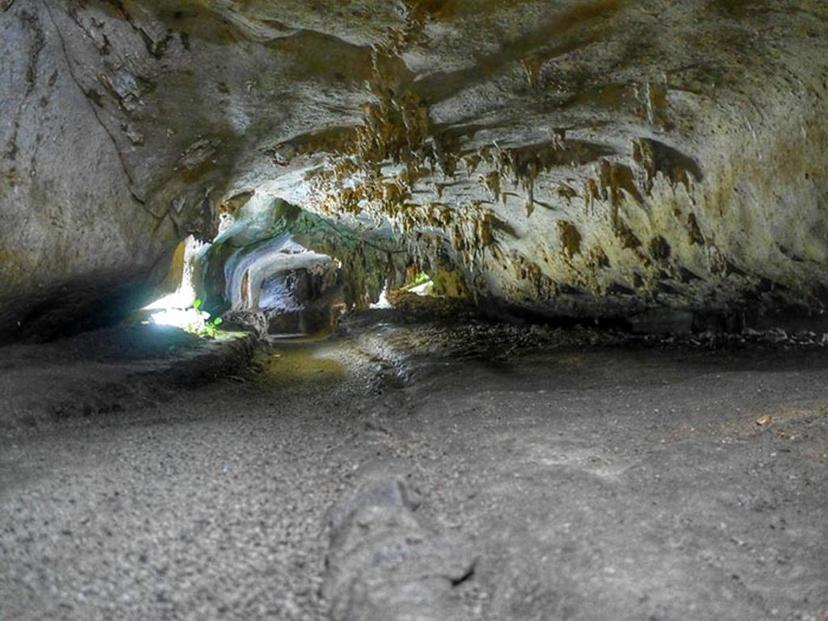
<point x="580" y="157"/>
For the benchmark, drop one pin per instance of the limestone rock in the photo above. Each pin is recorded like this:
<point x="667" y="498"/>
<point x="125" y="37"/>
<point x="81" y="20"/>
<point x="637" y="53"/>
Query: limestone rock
<point x="568" y="157"/>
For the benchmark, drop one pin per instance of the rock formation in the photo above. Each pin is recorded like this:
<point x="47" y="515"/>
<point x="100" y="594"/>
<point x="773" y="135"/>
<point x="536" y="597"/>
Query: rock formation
<point x="576" y="157"/>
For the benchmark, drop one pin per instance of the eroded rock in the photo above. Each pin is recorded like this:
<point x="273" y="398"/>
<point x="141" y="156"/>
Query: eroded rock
<point x="584" y="158"/>
<point x="384" y="562"/>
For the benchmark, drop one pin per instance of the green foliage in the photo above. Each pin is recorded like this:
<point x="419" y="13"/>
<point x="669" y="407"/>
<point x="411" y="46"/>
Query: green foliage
<point x="206" y="327"/>
<point x="211" y="328"/>
<point x="419" y="279"/>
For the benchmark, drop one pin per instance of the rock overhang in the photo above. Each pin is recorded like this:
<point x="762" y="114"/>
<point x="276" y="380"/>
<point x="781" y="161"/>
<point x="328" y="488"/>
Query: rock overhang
<point x="599" y="157"/>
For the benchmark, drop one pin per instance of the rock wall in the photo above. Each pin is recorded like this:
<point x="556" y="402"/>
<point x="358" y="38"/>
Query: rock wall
<point x="568" y="157"/>
<point x="73" y="228"/>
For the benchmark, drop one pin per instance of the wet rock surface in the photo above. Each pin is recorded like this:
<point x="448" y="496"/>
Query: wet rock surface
<point x="404" y="469"/>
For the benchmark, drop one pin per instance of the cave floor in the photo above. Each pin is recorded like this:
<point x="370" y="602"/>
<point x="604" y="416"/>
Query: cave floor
<point x="569" y="481"/>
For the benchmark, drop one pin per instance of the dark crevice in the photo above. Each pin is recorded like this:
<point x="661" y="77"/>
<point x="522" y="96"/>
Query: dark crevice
<point x="37" y="47"/>
<point x="469" y="575"/>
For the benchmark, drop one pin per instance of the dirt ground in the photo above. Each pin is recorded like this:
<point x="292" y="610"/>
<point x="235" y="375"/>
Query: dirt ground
<point x="428" y="472"/>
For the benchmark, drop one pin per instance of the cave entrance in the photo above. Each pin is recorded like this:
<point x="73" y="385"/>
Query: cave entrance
<point x="301" y="301"/>
<point x="283" y="289"/>
<point x="283" y="272"/>
<point x="179" y="309"/>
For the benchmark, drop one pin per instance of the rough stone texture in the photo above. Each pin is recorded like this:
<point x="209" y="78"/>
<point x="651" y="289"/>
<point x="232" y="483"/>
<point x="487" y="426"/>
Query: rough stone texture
<point x="590" y="482"/>
<point x="385" y="562"/>
<point x="597" y="157"/>
<point x="111" y="370"/>
<point x="71" y="227"/>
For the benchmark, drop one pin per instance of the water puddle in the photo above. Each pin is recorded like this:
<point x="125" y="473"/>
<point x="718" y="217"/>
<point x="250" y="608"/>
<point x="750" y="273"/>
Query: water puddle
<point x="298" y="361"/>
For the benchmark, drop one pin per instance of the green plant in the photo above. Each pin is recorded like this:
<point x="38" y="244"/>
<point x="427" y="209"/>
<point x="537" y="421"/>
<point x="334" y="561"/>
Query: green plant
<point x="204" y="326"/>
<point x="211" y="328"/>
<point x="420" y="279"/>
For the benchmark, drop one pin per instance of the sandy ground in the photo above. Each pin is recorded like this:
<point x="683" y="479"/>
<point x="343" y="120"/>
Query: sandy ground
<point x="426" y="472"/>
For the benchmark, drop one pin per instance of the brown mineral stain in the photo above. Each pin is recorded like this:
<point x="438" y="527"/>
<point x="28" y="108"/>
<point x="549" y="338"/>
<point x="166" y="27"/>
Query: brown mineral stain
<point x="570" y="238"/>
